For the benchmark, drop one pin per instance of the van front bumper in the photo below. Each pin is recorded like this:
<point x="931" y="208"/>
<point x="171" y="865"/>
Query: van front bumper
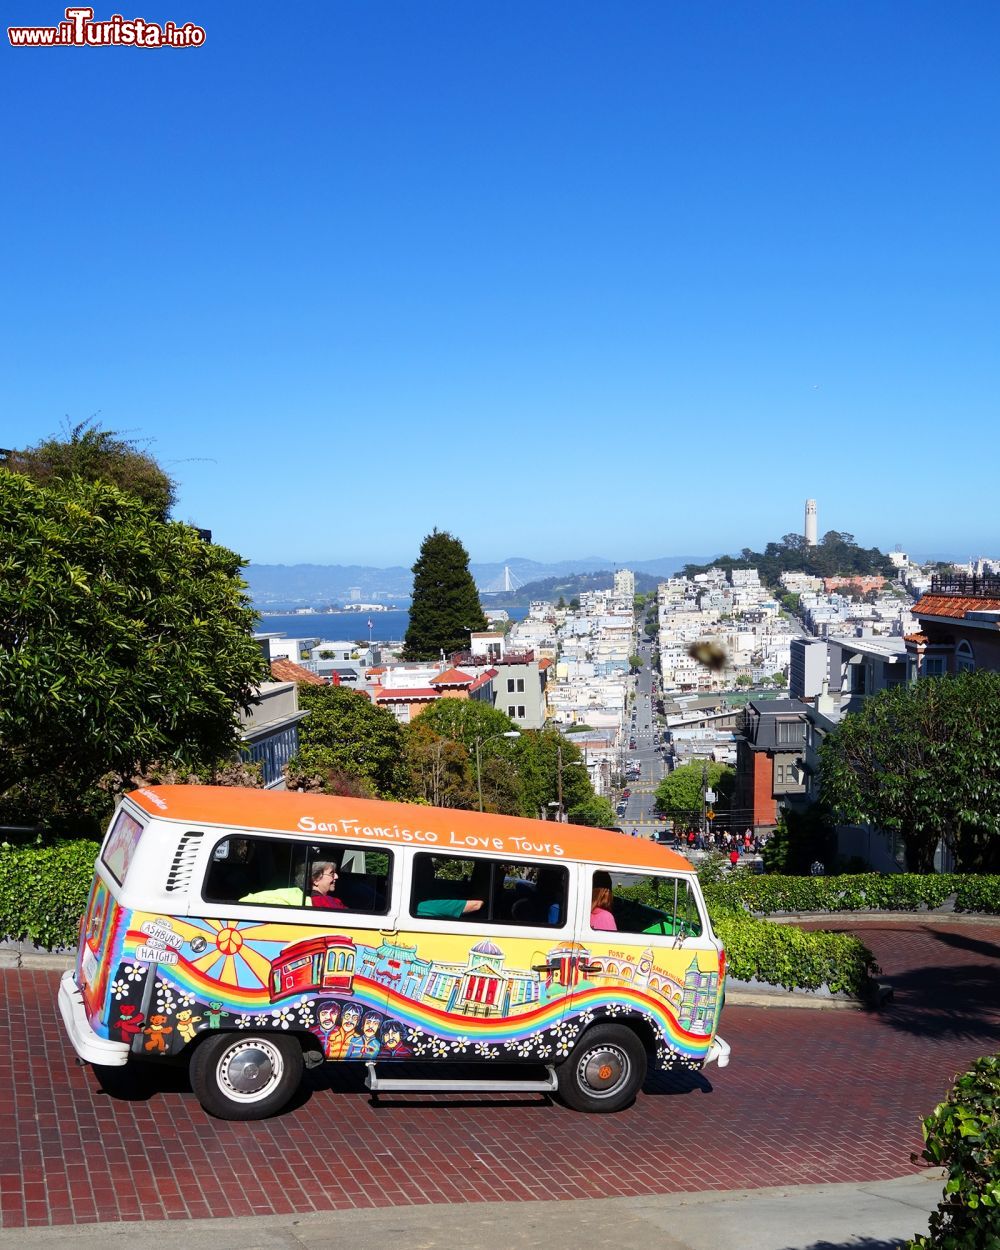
<point x="718" y="1052"/>
<point x="87" y="1044"/>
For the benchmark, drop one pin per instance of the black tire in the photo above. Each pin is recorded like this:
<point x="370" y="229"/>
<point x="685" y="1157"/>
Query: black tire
<point x="605" y="1070"/>
<point x="246" y="1076"/>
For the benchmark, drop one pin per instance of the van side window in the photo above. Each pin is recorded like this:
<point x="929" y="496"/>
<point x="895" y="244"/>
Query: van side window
<point x="488" y="891"/>
<point x="645" y="903"/>
<point x="277" y="872"/>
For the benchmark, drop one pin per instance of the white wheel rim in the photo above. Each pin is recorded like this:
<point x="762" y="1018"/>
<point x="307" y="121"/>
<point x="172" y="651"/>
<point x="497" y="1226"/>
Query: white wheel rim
<point x="250" y="1070"/>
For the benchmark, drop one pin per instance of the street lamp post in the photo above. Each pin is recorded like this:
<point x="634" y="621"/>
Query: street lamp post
<point x="510" y="733"/>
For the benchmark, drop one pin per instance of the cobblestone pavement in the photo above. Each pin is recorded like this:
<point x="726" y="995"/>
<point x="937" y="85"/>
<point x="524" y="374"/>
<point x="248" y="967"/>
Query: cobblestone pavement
<point x="810" y="1096"/>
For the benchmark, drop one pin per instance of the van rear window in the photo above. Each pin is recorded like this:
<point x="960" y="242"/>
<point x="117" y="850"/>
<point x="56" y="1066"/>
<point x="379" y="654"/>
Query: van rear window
<point x="120" y="844"/>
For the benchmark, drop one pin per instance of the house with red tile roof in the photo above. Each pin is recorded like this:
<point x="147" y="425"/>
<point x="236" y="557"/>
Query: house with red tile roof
<point x="959" y="627"/>
<point x="288" y="670"/>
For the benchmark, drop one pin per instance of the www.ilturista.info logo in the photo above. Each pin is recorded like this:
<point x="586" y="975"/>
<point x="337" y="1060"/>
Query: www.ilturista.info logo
<point x="79" y="30"/>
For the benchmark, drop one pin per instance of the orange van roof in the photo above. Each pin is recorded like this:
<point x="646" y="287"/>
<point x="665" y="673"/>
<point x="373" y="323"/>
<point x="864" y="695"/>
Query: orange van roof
<point x="428" y="828"/>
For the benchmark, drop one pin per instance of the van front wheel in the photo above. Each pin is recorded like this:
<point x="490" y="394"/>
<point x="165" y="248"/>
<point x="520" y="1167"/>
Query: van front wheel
<point x="245" y="1076"/>
<point x="605" y="1070"/>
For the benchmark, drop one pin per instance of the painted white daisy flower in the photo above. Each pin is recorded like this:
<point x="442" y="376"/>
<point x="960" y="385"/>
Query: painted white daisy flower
<point x="135" y="972"/>
<point x="460" y="1045"/>
<point x="119" y="988"/>
<point x="243" y="1022"/>
<point x="282" y="1018"/>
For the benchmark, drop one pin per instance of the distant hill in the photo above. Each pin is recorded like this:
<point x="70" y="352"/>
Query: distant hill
<point x="566" y="586"/>
<point x="316" y="585"/>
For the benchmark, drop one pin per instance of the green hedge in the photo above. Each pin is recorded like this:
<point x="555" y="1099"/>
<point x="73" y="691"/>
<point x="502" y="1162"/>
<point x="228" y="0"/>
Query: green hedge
<point x="779" y="954"/>
<point x="43" y="891"/>
<point x="962" y="1134"/>
<point x="767" y="895"/>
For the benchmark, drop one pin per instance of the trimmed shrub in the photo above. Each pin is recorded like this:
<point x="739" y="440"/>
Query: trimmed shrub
<point x="783" y="955"/>
<point x="962" y="1134"/>
<point x="43" y="891"/>
<point x="768" y="895"/>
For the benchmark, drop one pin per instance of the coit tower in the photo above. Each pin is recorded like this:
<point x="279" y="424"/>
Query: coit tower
<point x="810" y="530"/>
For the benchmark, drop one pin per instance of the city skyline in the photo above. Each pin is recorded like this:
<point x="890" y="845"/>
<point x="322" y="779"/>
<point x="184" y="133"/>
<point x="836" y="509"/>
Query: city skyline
<point x="556" y="280"/>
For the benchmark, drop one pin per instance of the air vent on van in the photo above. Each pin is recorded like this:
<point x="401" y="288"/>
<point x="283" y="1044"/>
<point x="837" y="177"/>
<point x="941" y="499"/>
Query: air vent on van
<point x="179" y="876"/>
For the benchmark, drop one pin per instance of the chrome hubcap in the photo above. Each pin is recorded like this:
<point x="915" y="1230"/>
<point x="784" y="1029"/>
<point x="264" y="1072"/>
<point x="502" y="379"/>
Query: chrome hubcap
<point x="249" y="1070"/>
<point x="604" y="1070"/>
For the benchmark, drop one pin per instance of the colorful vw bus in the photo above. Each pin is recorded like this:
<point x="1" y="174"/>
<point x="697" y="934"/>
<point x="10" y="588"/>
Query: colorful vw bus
<point x="254" y="933"/>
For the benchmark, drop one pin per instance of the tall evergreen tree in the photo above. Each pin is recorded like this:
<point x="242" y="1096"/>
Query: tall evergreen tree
<point x="445" y="600"/>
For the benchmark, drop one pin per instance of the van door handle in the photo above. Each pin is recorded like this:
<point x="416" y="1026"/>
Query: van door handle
<point x="544" y="967"/>
<point x="591" y="967"/>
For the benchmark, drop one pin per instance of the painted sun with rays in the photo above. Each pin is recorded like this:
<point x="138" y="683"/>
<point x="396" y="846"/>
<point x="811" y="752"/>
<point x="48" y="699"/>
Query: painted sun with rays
<point x="233" y="953"/>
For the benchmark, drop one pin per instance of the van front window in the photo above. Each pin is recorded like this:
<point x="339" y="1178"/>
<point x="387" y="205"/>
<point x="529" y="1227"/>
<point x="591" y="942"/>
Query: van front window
<point x="644" y="903"/>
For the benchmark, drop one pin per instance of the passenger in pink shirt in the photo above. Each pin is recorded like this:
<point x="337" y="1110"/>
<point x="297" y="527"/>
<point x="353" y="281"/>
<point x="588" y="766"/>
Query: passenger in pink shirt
<point x="601" y="916"/>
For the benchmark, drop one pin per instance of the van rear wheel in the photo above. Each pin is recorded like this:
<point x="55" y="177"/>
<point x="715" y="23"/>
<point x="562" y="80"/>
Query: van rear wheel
<point x="246" y="1076"/>
<point x="605" y="1071"/>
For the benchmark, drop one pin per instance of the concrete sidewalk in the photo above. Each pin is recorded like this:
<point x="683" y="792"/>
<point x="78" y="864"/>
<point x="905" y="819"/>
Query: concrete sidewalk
<point x="876" y="1215"/>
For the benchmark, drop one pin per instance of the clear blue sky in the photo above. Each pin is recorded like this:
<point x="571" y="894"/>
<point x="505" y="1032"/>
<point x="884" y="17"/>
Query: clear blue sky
<point x="564" y="278"/>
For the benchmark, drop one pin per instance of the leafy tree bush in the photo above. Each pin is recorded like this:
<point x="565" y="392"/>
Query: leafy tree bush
<point x="347" y="741"/>
<point x="800" y="840"/>
<point x="465" y="720"/>
<point x="679" y="793"/>
<point x="923" y="761"/>
<point x="125" y="642"/>
<point x="596" y="812"/>
<point x="43" y="891"/>
<point x="442" y="772"/>
<point x="97" y="455"/>
<point x="445" y="605"/>
<point x="962" y="1135"/>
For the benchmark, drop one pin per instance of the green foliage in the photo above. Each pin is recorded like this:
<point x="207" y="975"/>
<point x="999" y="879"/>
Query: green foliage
<point x="43" y="891"/>
<point x="124" y="641"/>
<point x="97" y="455"/>
<point x="923" y="761"/>
<point x="836" y="555"/>
<point x="679" y="793"/>
<point x="346" y="735"/>
<point x="445" y="604"/>
<point x="537" y="754"/>
<point x="442" y="771"/>
<point x="779" y="954"/>
<point x="768" y="895"/>
<point x="977" y="893"/>
<point x="596" y="812"/>
<point x="801" y="839"/>
<point x="465" y="720"/>
<point x="636" y="661"/>
<point x="962" y="1135"/>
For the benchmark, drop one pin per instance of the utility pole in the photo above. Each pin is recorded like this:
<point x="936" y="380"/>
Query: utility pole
<point x="559" y="792"/>
<point x="704" y="802"/>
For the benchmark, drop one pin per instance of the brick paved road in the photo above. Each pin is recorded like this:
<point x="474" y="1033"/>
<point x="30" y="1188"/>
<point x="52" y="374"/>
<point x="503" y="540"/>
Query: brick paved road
<point x="811" y="1096"/>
